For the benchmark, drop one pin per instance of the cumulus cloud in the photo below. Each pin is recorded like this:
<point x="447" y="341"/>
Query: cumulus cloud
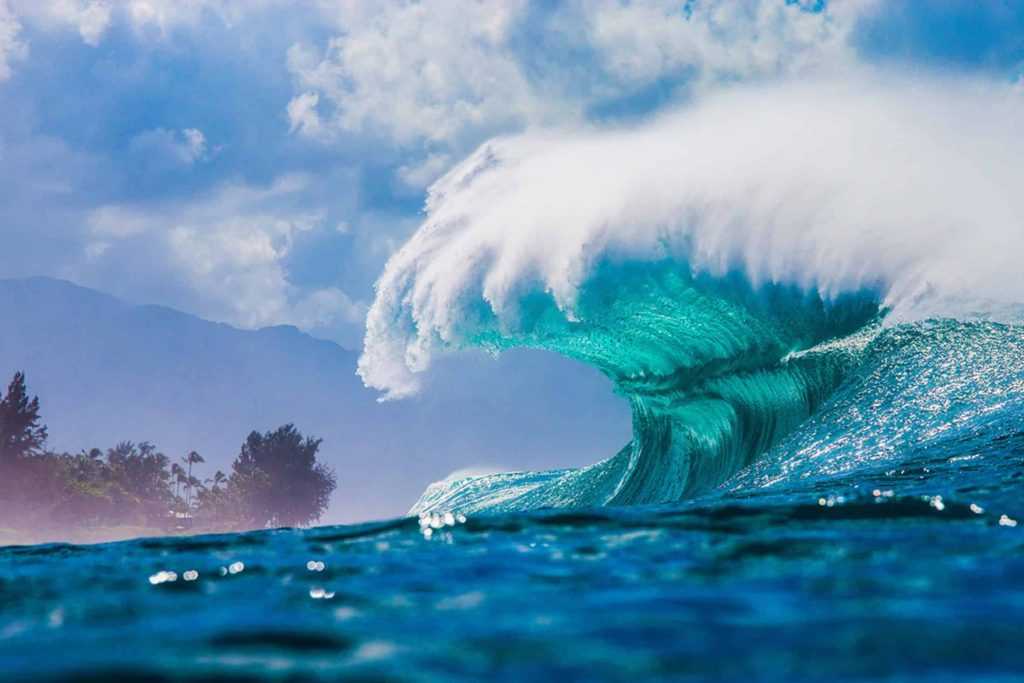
<point x="439" y="76"/>
<point x="225" y="254"/>
<point x="714" y="40"/>
<point x="439" y="72"/>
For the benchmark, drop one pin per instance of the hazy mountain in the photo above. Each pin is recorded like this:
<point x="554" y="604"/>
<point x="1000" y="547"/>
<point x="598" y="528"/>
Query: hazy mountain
<point x="107" y="371"/>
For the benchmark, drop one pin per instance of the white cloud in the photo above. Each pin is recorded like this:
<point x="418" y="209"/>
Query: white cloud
<point x="303" y="116"/>
<point x="195" y="143"/>
<point x="439" y="77"/>
<point x="434" y="72"/>
<point x="227" y="253"/>
<point x="93" y="18"/>
<point x="184" y="147"/>
<point x="641" y="42"/>
<point x="90" y="18"/>
<point x="10" y="46"/>
<point x="165" y="14"/>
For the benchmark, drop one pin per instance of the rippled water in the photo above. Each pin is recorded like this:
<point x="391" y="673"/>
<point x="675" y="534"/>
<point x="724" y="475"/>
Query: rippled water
<point x="907" y="574"/>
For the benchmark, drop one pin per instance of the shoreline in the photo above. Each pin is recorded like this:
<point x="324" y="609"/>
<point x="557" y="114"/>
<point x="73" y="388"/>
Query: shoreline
<point x="96" y="535"/>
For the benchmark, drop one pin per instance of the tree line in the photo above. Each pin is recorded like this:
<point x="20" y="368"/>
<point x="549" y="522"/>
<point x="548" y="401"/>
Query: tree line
<point x="275" y="480"/>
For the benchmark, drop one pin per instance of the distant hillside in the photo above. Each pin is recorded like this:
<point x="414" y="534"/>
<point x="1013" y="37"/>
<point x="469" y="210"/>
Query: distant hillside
<point x="107" y="371"/>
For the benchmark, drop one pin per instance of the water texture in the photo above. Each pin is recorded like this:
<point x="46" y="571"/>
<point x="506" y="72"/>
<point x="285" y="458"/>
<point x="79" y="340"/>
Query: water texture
<point x="913" y="572"/>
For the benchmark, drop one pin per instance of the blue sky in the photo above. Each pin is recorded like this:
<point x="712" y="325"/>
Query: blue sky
<point x="256" y="161"/>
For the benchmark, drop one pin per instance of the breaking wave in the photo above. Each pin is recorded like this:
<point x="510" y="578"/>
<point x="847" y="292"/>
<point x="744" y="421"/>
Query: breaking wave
<point x="810" y="277"/>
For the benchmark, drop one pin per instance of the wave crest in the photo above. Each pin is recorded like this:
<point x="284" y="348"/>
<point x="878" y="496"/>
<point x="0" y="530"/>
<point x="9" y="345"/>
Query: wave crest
<point x="709" y="260"/>
<point x="910" y="189"/>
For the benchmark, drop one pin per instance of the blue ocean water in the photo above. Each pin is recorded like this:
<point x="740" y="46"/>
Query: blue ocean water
<point x="811" y="493"/>
<point x="864" y="578"/>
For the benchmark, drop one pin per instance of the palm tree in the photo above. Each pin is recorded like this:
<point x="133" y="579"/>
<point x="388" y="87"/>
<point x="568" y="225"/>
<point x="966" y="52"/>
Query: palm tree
<point x="216" y="481"/>
<point x="179" y="474"/>
<point x="192" y="458"/>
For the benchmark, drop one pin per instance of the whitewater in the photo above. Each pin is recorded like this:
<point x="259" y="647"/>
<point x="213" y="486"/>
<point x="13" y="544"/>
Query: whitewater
<point x="783" y="280"/>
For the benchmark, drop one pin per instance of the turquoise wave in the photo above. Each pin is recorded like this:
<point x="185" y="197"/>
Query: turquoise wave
<point x="771" y="382"/>
<point x="716" y="372"/>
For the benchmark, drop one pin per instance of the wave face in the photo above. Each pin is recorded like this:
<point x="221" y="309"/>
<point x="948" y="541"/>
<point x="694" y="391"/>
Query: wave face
<point x="858" y="406"/>
<point x="797" y="280"/>
<point x="708" y="367"/>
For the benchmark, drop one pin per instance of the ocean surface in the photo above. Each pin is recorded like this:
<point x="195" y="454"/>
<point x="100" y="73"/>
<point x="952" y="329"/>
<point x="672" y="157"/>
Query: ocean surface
<point x="911" y="569"/>
<point x="812" y="492"/>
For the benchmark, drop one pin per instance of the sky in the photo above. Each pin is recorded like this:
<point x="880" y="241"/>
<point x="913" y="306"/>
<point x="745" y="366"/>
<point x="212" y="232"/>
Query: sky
<point x="257" y="161"/>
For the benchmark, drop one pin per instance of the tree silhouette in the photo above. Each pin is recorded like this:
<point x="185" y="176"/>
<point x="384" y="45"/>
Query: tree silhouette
<point x="275" y="480"/>
<point x="216" y="481"/>
<point x="278" y="480"/>
<point x="178" y="475"/>
<point x="138" y="474"/>
<point x="217" y="503"/>
<point x="21" y="432"/>
<point x="191" y="482"/>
